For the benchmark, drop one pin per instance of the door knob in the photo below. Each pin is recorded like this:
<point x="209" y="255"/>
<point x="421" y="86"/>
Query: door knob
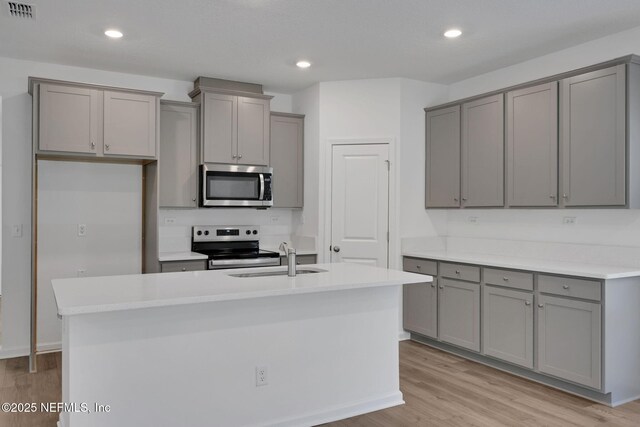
<point x="336" y="249"/>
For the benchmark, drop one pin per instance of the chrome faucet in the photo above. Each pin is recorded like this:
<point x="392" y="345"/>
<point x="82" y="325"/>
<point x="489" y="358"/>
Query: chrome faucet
<point x="291" y="258"/>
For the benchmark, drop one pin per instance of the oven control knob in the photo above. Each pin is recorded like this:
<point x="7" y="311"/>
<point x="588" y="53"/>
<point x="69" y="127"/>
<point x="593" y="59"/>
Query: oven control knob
<point x="248" y="231"/>
<point x="206" y="232"/>
<point x="199" y="233"/>
<point x="255" y="231"/>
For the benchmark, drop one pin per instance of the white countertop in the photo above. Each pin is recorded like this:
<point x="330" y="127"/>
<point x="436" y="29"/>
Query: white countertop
<point x="114" y="293"/>
<point x="180" y="256"/>
<point x="544" y="266"/>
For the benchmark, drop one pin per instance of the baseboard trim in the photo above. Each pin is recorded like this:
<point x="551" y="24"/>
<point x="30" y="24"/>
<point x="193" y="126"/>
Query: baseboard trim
<point x="342" y="411"/>
<point x="14" y="352"/>
<point x="404" y="335"/>
<point x="51" y="347"/>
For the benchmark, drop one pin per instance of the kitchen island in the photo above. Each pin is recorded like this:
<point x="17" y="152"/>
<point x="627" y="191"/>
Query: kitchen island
<point x="208" y="348"/>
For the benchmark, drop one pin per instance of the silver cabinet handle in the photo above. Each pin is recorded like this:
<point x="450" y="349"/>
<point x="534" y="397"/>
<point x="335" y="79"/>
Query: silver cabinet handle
<point x="106" y="147"/>
<point x="455" y="199"/>
<point x="565" y="287"/>
<point x="441" y="287"/>
<point x="240" y="156"/>
<point x="464" y="199"/>
<point x="433" y="285"/>
<point x="233" y="156"/>
<point x="336" y="249"/>
<point x="564" y="196"/>
<point x="418" y="267"/>
<point x="540" y="305"/>
<point x="93" y="145"/>
<point x="506" y="279"/>
<point x="457" y="271"/>
<point x="527" y="303"/>
<point x="552" y="197"/>
<point x="194" y="199"/>
<point x="184" y="268"/>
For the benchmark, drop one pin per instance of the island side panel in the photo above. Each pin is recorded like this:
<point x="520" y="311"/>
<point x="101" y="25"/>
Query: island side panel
<point x="328" y="355"/>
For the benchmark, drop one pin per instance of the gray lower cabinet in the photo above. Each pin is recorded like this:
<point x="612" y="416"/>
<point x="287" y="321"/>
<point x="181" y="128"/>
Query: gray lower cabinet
<point x="483" y="152"/>
<point x="593" y="138"/>
<point x="569" y="340"/>
<point x="420" y="308"/>
<point x="459" y="313"/>
<point x="178" y="154"/>
<point x="130" y="124"/>
<point x="507" y="318"/>
<point x="442" y="179"/>
<point x="177" y="266"/>
<point x="532" y="146"/>
<point x="287" y="159"/>
<point x="300" y="260"/>
<point x="69" y="119"/>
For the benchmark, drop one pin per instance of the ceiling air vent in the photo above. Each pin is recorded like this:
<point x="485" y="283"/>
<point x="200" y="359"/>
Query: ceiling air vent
<point x="21" y="10"/>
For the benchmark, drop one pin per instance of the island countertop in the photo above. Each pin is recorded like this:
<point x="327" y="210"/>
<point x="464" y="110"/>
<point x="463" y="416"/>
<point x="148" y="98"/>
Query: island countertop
<point x="115" y="293"/>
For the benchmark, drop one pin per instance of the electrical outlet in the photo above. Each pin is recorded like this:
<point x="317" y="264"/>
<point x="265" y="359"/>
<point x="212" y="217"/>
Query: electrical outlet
<point x="569" y="220"/>
<point x="16" y="230"/>
<point x="472" y="219"/>
<point x="169" y="221"/>
<point x="82" y="230"/>
<point x="82" y="272"/>
<point x="261" y="376"/>
<point x="275" y="219"/>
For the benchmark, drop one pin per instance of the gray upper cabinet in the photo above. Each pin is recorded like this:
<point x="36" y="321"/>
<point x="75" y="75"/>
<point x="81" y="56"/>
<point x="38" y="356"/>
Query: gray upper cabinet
<point x="235" y="129"/>
<point x="593" y="138"/>
<point x="79" y="120"/>
<point x="508" y="325"/>
<point x="532" y="146"/>
<point x="130" y="124"/>
<point x="459" y="313"/>
<point x="287" y="159"/>
<point x="253" y="131"/>
<point x="483" y="152"/>
<point x="569" y="338"/>
<point x="442" y="183"/>
<point x="178" y="154"/>
<point x="219" y="128"/>
<point x="69" y="119"/>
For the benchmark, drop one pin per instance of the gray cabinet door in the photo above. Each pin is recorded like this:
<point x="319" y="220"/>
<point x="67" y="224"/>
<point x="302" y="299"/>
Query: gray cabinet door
<point x="592" y="120"/>
<point x="532" y="146"/>
<point x="442" y="184"/>
<point x="70" y="119"/>
<point x="459" y="313"/>
<point x="219" y="128"/>
<point x="287" y="160"/>
<point x="178" y="155"/>
<point x="253" y="131"/>
<point x="569" y="340"/>
<point x="130" y="124"/>
<point x="420" y="308"/>
<point x="507" y="318"/>
<point x="483" y="152"/>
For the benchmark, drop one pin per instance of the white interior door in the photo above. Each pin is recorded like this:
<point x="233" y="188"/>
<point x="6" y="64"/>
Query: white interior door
<point x="360" y="204"/>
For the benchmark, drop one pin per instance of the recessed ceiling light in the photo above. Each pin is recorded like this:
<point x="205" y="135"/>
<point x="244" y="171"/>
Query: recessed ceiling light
<point x="452" y="33"/>
<point x="303" y="64"/>
<point x="114" y="34"/>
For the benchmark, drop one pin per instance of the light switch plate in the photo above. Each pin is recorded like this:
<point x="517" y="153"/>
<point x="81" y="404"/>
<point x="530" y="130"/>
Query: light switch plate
<point x="82" y="230"/>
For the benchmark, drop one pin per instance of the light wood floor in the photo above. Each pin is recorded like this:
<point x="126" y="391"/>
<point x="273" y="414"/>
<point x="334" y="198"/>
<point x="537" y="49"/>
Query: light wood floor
<point x="439" y="389"/>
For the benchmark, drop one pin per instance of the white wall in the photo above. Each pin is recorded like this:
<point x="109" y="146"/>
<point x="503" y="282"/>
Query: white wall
<point x="606" y="226"/>
<point x="108" y="200"/>
<point x="16" y="176"/>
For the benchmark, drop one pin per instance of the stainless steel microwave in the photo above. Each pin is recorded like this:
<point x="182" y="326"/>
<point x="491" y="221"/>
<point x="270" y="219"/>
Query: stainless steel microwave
<point x="235" y="186"/>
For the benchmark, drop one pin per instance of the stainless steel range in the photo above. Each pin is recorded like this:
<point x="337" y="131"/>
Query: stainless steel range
<point x="232" y="247"/>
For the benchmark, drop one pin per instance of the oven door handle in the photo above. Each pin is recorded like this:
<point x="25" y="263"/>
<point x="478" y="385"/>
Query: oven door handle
<point x="261" y="197"/>
<point x="216" y="264"/>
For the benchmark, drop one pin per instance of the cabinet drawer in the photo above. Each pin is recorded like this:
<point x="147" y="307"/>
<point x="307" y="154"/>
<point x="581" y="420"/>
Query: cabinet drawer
<point x="565" y="286"/>
<point x="508" y="278"/>
<point x="470" y="273"/>
<point x="417" y="265"/>
<point x="174" y="266"/>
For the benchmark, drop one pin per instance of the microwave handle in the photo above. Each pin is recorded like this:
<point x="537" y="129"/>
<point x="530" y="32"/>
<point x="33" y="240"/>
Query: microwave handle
<point x="261" y="197"/>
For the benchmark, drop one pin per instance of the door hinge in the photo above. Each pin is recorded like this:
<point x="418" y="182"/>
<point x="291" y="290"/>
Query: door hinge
<point x="388" y="162"/>
<point x="387" y="236"/>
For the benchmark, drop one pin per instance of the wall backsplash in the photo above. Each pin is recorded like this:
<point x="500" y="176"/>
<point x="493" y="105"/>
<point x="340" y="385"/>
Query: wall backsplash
<point x="175" y="224"/>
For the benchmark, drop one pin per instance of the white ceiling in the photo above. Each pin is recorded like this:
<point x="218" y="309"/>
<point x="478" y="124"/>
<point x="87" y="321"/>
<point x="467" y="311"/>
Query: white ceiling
<point x="261" y="40"/>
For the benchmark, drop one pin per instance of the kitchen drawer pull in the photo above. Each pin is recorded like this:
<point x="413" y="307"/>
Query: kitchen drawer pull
<point x="565" y="287"/>
<point x="418" y="266"/>
<point x="441" y="287"/>
<point x="540" y="305"/>
<point x="184" y="268"/>
<point x="93" y="145"/>
<point x="527" y="303"/>
<point x="506" y="279"/>
<point x="457" y="271"/>
<point x="433" y="285"/>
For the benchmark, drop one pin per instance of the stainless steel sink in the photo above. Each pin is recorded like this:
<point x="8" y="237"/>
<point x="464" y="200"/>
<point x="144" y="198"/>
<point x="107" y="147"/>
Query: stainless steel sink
<point x="278" y="273"/>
